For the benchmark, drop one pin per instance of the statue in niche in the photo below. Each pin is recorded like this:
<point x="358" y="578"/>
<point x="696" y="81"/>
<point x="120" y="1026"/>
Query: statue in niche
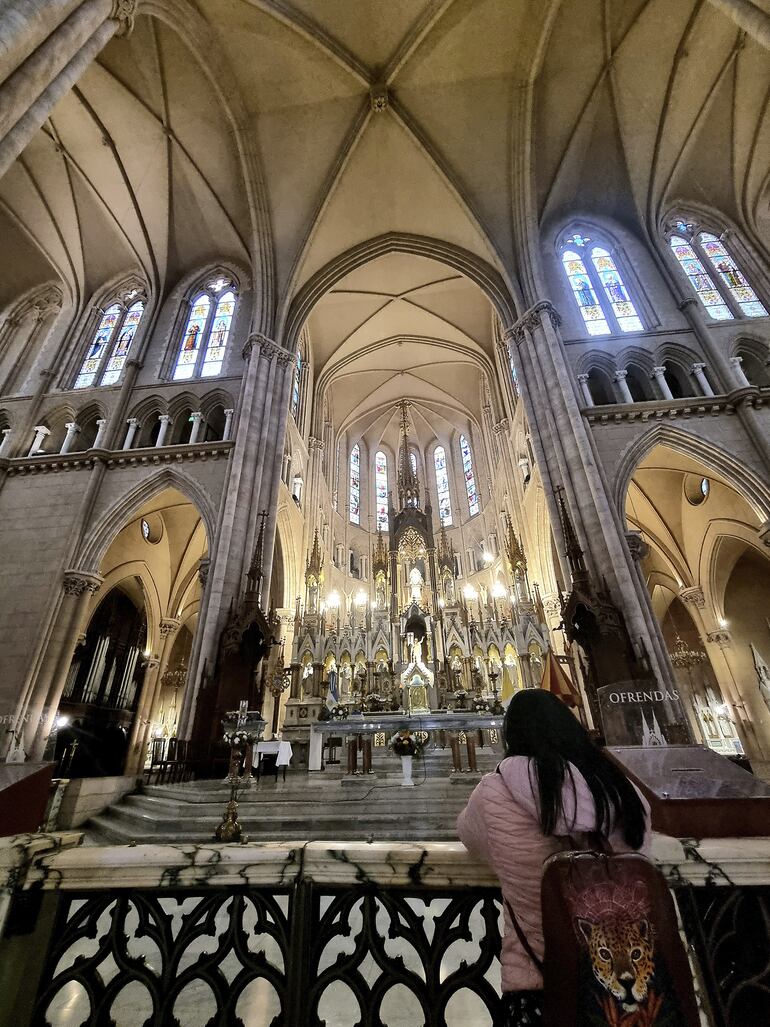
<point x="312" y="597"/>
<point x="763" y="674"/>
<point x="346" y="679"/>
<point x="449" y="590"/>
<point x="415" y="586"/>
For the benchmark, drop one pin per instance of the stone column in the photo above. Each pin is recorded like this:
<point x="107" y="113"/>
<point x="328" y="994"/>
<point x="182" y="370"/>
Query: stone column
<point x="232" y="548"/>
<point x="566" y="453"/>
<point x="659" y="377"/>
<point x="73" y="430"/>
<point x="101" y="425"/>
<point x="6" y="440"/>
<point x="699" y="370"/>
<point x="69" y="624"/>
<point x="133" y="425"/>
<point x="197" y="419"/>
<point x="31" y="91"/>
<point x="228" y="425"/>
<point x="41" y="432"/>
<point x="620" y="381"/>
<point x="740" y="375"/>
<point x="142" y="725"/>
<point x="165" y="421"/>
<point x="583" y="382"/>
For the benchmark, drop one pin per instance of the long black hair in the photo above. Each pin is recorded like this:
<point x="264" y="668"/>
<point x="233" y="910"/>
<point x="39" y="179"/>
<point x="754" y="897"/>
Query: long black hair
<point x="540" y="726"/>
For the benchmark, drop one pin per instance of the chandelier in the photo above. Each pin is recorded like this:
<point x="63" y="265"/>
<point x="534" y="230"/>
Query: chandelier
<point x="683" y="657"/>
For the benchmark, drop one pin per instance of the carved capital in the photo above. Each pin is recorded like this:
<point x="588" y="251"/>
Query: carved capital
<point x="76" y="583"/>
<point x="532" y="319"/>
<point x="314" y="443"/>
<point x="693" y="595"/>
<point x="124" y="13"/>
<point x="501" y="427"/>
<point x="552" y="606"/>
<point x="203" y="570"/>
<point x="583" y="378"/>
<point x="721" y="638"/>
<point x="638" y="548"/>
<point x="168" y="626"/>
<point x="764" y="532"/>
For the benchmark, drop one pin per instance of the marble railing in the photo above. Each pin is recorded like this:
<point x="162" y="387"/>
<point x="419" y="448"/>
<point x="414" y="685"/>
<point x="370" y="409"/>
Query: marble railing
<point x="307" y="928"/>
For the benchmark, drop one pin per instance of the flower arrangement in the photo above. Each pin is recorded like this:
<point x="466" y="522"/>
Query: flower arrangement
<point x="404" y="744"/>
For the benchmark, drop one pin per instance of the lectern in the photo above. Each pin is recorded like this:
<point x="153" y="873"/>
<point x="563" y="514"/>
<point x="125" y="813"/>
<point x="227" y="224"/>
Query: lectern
<point x="694" y="792"/>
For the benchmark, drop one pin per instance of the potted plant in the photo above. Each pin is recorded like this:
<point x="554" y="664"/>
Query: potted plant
<point x="407" y="747"/>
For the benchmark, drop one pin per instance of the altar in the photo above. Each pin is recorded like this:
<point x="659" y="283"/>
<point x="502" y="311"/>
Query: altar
<point x="369" y="724"/>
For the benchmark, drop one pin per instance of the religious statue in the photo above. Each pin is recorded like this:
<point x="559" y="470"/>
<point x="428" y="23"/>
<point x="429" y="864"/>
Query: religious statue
<point x="763" y="674"/>
<point x="415" y="586"/>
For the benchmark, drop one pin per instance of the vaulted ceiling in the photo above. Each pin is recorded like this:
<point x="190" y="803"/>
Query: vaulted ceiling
<point x="248" y="132"/>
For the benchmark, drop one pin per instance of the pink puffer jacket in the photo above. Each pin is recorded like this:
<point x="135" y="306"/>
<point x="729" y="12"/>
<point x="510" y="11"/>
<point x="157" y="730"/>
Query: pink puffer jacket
<point x="500" y="825"/>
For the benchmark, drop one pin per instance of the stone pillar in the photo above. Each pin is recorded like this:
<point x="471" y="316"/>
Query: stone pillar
<point x="31" y="91"/>
<point x="165" y="422"/>
<point x="699" y="371"/>
<point x="6" y="441"/>
<point x="133" y="425"/>
<point x="101" y="425"/>
<point x="69" y="624"/>
<point x="228" y="425"/>
<point x="250" y="462"/>
<point x="142" y="725"/>
<point x="73" y="430"/>
<point x="740" y="375"/>
<point x="41" y="432"/>
<point x="620" y="381"/>
<point x="659" y="377"/>
<point x="197" y="419"/>
<point x="583" y="382"/>
<point x="566" y="454"/>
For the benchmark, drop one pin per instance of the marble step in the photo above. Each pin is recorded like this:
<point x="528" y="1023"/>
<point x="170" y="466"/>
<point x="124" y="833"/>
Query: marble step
<point x="153" y="805"/>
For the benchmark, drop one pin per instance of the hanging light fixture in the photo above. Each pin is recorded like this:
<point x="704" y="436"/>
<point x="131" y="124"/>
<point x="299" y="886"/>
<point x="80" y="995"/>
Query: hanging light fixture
<point x="683" y="657"/>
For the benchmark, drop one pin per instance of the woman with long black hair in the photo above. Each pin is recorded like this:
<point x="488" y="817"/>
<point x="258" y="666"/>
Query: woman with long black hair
<point x="555" y="790"/>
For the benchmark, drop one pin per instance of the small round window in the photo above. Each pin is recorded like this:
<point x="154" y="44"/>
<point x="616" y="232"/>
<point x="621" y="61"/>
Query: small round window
<point x="696" y="489"/>
<point x="151" y="527"/>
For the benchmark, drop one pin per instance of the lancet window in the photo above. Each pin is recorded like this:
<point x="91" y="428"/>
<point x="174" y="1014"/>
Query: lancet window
<point x="295" y="386"/>
<point x="442" y="486"/>
<point x="598" y="286"/>
<point x="354" y="502"/>
<point x="381" y="490"/>
<point x="470" y="478"/>
<point x="207" y="329"/>
<point x="718" y="282"/>
<point x="109" y="348"/>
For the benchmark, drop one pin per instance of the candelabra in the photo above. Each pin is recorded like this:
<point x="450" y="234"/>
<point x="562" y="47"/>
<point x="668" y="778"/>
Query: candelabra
<point x="278" y="684"/>
<point x="685" y="658"/>
<point x="242" y="731"/>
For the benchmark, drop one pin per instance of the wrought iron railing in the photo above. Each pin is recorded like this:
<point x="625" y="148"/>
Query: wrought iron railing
<point x="324" y="934"/>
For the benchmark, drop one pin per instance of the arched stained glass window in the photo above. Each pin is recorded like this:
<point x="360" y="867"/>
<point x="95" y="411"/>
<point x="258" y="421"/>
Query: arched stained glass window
<point x="442" y="486"/>
<point x="584" y="294"/>
<point x="355" y="485"/>
<point x="204" y="340"/>
<point x="125" y="336"/>
<point x="699" y="279"/>
<point x="615" y="291"/>
<point x="413" y="461"/>
<point x="717" y="280"/>
<point x="470" y="479"/>
<point x="731" y="276"/>
<point x="295" y="386"/>
<point x="381" y="490"/>
<point x="112" y="338"/>
<point x="598" y="287"/>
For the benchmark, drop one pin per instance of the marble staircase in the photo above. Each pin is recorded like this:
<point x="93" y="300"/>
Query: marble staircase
<point x="308" y="807"/>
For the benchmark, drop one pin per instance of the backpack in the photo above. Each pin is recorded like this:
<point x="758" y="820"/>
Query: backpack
<point x="613" y="953"/>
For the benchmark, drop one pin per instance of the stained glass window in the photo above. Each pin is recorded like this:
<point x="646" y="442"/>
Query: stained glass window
<point x="413" y="461"/>
<point x="204" y="340"/>
<point x="295" y="386"/>
<point x="381" y="490"/>
<point x="731" y="276"/>
<point x="191" y="340"/>
<point x="583" y="291"/>
<point x="470" y="479"/>
<point x="355" y="485"/>
<point x="615" y="291"/>
<point x="699" y="279"/>
<point x="125" y="336"/>
<point x="220" y="329"/>
<point x="442" y="486"/>
<point x="104" y="331"/>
